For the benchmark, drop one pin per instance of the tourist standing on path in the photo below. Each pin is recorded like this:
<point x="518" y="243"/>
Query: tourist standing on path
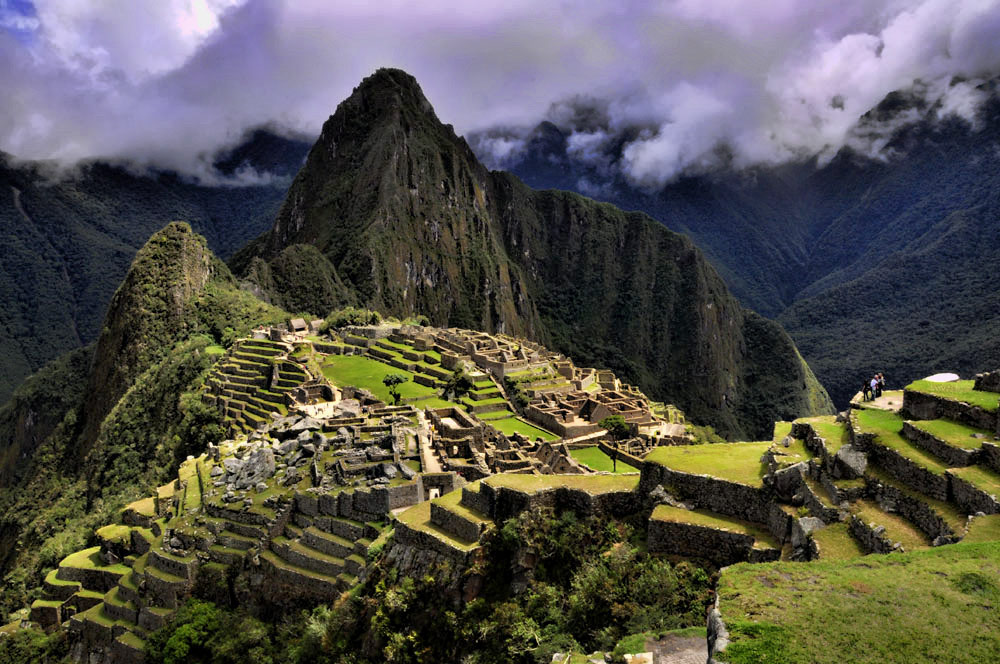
<point x="866" y="391"/>
<point x="881" y="383"/>
<point x="874" y="385"/>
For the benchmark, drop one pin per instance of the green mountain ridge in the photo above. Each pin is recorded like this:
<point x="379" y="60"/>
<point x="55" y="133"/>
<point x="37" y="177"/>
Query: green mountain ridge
<point x="69" y="238"/>
<point x="410" y="222"/>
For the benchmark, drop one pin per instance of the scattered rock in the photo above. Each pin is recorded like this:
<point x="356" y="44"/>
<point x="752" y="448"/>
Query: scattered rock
<point x="216" y="471"/>
<point x="852" y="459"/>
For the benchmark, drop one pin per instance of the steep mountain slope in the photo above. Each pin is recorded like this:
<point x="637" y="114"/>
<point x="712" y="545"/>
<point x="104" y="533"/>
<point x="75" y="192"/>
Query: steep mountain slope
<point x="409" y="221"/>
<point x="95" y="427"/>
<point x="68" y="242"/>
<point x="870" y="265"/>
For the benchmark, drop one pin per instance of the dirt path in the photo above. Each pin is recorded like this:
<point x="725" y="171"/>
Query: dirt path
<point x="891" y="400"/>
<point x="679" y="650"/>
<point x="428" y="462"/>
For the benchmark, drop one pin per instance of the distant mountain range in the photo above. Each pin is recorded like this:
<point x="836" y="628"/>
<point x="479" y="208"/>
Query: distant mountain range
<point x="68" y="241"/>
<point x="870" y="265"/>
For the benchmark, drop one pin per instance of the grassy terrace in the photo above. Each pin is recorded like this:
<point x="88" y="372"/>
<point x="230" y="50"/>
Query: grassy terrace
<point x="418" y="517"/>
<point x="510" y="425"/>
<point x="367" y="373"/>
<point x="594" y="484"/>
<point x="984" y="529"/>
<point x="887" y="426"/>
<point x="981" y="478"/>
<point x="781" y="429"/>
<point x="91" y="559"/>
<point x="827" y="428"/>
<point x="762" y="538"/>
<point x="953" y="433"/>
<point x="938" y="605"/>
<point x="836" y="543"/>
<point x="734" y="462"/>
<point x="452" y="502"/>
<point x="947" y="511"/>
<point x="897" y="529"/>
<point x="595" y="459"/>
<point x="959" y="390"/>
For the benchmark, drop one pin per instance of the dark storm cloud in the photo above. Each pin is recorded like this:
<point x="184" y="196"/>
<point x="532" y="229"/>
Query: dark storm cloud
<point x="167" y="83"/>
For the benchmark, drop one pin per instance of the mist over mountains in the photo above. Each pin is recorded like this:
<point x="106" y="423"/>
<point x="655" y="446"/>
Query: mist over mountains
<point x="850" y="253"/>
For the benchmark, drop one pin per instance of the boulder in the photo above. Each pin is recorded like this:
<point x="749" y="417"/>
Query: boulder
<point x="216" y="471"/>
<point x="852" y="460"/>
<point x="257" y="467"/>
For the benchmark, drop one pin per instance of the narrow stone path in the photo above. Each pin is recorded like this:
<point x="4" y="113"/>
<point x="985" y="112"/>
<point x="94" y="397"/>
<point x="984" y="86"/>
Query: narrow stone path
<point x="679" y="650"/>
<point x="428" y="462"/>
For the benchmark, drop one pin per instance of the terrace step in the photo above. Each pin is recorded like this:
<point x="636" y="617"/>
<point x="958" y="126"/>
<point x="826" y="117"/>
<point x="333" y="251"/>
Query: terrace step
<point x="343" y="527"/>
<point x="878" y="531"/>
<point x="225" y="555"/>
<point x="57" y="589"/>
<point x="954" y="443"/>
<point x="700" y="533"/>
<point x="453" y="517"/>
<point x="232" y="540"/>
<point x="288" y="572"/>
<point x="835" y="542"/>
<point x="298" y="554"/>
<point x="332" y="545"/>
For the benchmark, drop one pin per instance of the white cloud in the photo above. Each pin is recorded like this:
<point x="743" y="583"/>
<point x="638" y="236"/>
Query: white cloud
<point x="165" y="82"/>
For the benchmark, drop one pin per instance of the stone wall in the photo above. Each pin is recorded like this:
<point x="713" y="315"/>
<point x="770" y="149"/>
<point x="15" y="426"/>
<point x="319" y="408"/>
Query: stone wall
<point x="717" y="546"/>
<point x="719" y="496"/>
<point x="914" y="510"/>
<point x="988" y="381"/>
<point x="952" y="456"/>
<point x="909" y="473"/>
<point x="871" y="540"/>
<point x="503" y="503"/>
<point x="920" y="406"/>
<point x="630" y="459"/>
<point x="970" y="499"/>
<point x="475" y="500"/>
<point x="989" y="456"/>
<point x="456" y="524"/>
<point x="424" y="540"/>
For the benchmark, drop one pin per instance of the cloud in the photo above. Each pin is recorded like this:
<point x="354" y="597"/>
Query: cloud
<point x="679" y="86"/>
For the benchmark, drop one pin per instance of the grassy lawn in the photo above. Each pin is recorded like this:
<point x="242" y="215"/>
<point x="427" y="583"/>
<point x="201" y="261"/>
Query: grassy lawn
<point x="367" y="373"/>
<point x="418" y="517"/>
<point x="594" y="484"/>
<point x="91" y="559"/>
<point x="897" y="529"/>
<point x="762" y="538"/>
<point x="595" y="459"/>
<point x="938" y="605"/>
<point x="827" y="428"/>
<point x="781" y="429"/>
<point x="836" y="543"/>
<point x="512" y="425"/>
<point x="984" y="529"/>
<point x="953" y="433"/>
<point x="959" y="390"/>
<point x="947" y="511"/>
<point x="734" y="462"/>
<point x="887" y="426"/>
<point x="981" y="478"/>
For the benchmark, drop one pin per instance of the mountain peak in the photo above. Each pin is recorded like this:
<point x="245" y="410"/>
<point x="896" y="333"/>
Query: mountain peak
<point x="387" y="91"/>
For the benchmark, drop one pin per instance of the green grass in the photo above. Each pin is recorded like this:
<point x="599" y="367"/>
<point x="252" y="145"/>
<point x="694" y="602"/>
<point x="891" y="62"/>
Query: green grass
<point x="512" y="425"/>
<point x="887" y="427"/>
<point x="734" y="462"/>
<point x="781" y="429"/>
<point x="91" y="559"/>
<point x="938" y="605"/>
<point x="981" y="478"/>
<point x="594" y="484"/>
<point x="897" y="529"/>
<point x="947" y="511"/>
<point x="595" y="459"/>
<point x="762" y="538"/>
<point x="953" y="433"/>
<point x="827" y="428"/>
<point x="836" y="543"/>
<point x="984" y="529"/>
<point x="367" y="373"/>
<point x="959" y="390"/>
<point x="115" y="533"/>
<point x="418" y="517"/>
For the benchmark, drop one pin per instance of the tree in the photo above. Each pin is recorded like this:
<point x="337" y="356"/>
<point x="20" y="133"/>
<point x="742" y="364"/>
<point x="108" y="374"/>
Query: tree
<point x="393" y="381"/>
<point x="458" y="385"/>
<point x="616" y="426"/>
<point x="619" y="430"/>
